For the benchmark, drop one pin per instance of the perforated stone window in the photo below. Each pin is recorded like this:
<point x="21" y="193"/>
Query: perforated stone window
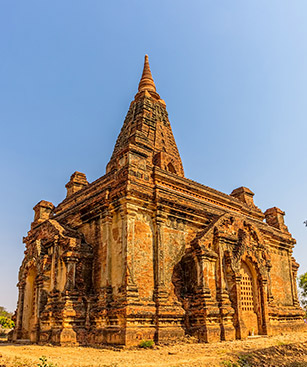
<point x="247" y="294"/>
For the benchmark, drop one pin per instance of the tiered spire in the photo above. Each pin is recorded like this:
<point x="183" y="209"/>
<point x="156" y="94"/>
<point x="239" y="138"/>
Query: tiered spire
<point x="147" y="131"/>
<point x="147" y="82"/>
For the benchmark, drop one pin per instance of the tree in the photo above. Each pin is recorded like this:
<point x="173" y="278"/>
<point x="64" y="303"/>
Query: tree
<point x="302" y="283"/>
<point x="6" y="321"/>
<point x="5" y="313"/>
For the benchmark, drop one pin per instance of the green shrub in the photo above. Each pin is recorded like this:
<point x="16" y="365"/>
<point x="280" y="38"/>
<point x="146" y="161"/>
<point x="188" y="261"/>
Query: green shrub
<point x="43" y="362"/>
<point x="6" y="323"/>
<point x="243" y="360"/>
<point x="229" y="364"/>
<point x="146" y="344"/>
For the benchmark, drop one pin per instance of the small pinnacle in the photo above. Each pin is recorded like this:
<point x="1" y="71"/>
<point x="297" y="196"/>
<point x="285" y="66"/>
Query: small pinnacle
<point x="146" y="82"/>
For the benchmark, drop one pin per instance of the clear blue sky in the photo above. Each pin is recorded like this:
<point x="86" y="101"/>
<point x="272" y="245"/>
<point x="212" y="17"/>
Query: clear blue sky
<point x="233" y="75"/>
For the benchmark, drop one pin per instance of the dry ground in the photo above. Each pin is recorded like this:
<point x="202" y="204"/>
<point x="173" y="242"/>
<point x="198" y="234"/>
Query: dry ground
<point x="284" y="350"/>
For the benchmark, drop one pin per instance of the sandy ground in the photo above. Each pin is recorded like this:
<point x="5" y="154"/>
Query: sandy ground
<point x="283" y="350"/>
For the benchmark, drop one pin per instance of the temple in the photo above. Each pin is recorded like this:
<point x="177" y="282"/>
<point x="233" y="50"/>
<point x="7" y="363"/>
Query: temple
<point x="144" y="253"/>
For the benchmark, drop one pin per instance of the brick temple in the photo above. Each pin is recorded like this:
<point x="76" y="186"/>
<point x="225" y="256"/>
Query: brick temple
<point x="146" y="253"/>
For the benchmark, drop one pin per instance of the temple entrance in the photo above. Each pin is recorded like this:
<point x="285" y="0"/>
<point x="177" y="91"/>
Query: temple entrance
<point x="185" y="281"/>
<point x="249" y="300"/>
<point x="28" y="317"/>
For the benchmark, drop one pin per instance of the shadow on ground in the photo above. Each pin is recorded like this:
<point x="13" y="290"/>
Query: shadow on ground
<point x="283" y="355"/>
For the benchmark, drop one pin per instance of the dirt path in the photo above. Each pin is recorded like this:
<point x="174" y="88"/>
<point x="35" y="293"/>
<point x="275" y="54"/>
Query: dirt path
<point x="283" y="350"/>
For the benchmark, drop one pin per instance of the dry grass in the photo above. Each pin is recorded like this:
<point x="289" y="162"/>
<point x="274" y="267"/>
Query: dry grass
<point x="284" y="350"/>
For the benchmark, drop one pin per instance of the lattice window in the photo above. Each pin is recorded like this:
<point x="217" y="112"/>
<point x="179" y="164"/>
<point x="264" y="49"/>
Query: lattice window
<point x="247" y="294"/>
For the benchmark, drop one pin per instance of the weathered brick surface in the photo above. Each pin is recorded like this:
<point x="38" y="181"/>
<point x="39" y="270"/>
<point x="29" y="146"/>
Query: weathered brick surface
<point x="145" y="253"/>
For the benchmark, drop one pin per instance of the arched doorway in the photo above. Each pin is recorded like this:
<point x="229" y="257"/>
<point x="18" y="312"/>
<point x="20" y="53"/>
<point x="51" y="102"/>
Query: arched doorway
<point x="28" y="317"/>
<point x="185" y="281"/>
<point x="249" y="300"/>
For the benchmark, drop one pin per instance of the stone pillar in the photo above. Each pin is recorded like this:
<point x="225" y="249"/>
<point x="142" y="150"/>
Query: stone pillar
<point x="139" y="313"/>
<point x="18" y="326"/>
<point x="73" y="311"/>
<point x="222" y="293"/>
<point x="39" y="287"/>
<point x="54" y="264"/>
<point x="97" y="254"/>
<point x="132" y="291"/>
<point x="202" y="276"/>
<point x="160" y="293"/>
<point x="99" y="310"/>
<point x="108" y="224"/>
<point x="269" y="286"/>
<point x="105" y="231"/>
<point x="35" y="333"/>
<point x="264" y="306"/>
<point x="123" y="220"/>
<point x="228" y="331"/>
<point x="208" y="311"/>
<point x="169" y="316"/>
<point x="294" y="268"/>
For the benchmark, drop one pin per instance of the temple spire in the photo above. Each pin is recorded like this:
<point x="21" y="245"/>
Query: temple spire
<point x="146" y="82"/>
<point x="146" y="133"/>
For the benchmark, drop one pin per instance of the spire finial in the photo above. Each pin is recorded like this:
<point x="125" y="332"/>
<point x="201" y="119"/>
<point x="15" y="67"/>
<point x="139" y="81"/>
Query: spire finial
<point x="146" y="82"/>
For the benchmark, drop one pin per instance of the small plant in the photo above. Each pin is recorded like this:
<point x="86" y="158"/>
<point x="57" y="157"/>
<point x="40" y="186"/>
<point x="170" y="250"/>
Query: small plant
<point x="243" y="360"/>
<point x="146" y="344"/>
<point x="229" y="364"/>
<point x="281" y="343"/>
<point x="43" y="362"/>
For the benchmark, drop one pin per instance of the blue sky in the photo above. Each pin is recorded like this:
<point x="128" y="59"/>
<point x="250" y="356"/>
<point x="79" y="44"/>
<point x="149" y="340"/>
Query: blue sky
<point x="233" y="75"/>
